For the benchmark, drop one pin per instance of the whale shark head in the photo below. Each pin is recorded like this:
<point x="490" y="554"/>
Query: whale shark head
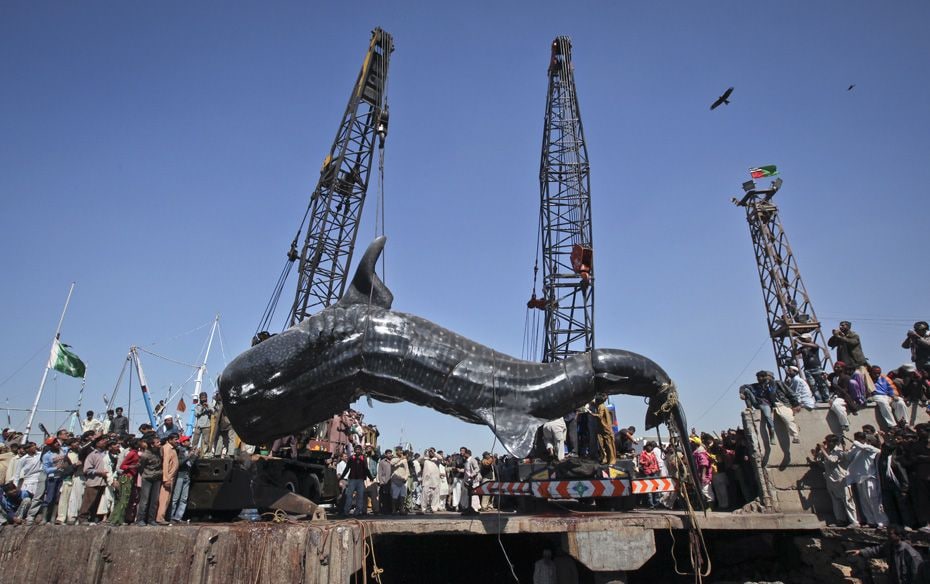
<point x="299" y="359"/>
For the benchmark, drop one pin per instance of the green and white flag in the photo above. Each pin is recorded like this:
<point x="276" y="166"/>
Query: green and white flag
<point x="62" y="359"/>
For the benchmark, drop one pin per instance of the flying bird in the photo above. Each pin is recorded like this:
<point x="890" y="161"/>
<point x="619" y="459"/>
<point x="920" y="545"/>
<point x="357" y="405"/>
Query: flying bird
<point x="722" y="99"/>
<point x="850" y="87"/>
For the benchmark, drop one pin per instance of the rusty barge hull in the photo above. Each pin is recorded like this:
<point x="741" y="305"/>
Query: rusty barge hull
<point x="335" y="551"/>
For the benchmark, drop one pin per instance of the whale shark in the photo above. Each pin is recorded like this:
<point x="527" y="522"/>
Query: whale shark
<point x="359" y="346"/>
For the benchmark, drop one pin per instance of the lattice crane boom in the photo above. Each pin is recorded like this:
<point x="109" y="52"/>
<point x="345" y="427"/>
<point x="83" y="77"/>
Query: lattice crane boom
<point x="335" y="208"/>
<point x="788" y="308"/>
<point x="565" y="216"/>
<point x="337" y="202"/>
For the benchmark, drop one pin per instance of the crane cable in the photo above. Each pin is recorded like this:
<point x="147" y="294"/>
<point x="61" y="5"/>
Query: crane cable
<point x="380" y="210"/>
<point x="531" y="319"/>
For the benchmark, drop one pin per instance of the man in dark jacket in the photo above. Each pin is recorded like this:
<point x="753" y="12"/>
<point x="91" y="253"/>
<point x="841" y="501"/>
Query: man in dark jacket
<point x="849" y="350"/>
<point x="757" y="398"/>
<point x="848" y="346"/>
<point x="813" y="367"/>
<point x="918" y="341"/>
<point x="892" y="476"/>
<point x="784" y="405"/>
<point x="903" y="560"/>
<point x="357" y="471"/>
<point x="120" y="424"/>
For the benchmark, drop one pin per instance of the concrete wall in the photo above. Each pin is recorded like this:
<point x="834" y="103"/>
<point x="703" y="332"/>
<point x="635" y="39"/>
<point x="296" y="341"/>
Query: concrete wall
<point x="240" y="552"/>
<point x="795" y="485"/>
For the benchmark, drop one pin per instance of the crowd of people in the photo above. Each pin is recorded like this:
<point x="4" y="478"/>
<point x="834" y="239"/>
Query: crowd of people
<point x="399" y="481"/>
<point x="877" y="476"/>
<point x="106" y="473"/>
<point x="898" y="394"/>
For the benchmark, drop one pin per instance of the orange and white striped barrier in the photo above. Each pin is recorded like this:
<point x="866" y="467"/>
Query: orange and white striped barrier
<point x="577" y="489"/>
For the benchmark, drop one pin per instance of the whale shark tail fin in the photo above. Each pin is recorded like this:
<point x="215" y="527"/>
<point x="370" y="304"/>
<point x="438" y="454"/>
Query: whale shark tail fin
<point x="366" y="287"/>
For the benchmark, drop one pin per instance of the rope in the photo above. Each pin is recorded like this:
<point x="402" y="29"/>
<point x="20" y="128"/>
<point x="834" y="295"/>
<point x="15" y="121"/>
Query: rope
<point x="222" y="345"/>
<point x="671" y="401"/>
<point x="698" y="547"/>
<point x="500" y="542"/>
<point x="726" y="390"/>
<point x="193" y="330"/>
<point x="170" y="360"/>
<point x="23" y="366"/>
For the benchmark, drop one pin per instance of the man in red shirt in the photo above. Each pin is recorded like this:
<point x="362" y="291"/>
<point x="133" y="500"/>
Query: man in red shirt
<point x="649" y="467"/>
<point x="127" y="480"/>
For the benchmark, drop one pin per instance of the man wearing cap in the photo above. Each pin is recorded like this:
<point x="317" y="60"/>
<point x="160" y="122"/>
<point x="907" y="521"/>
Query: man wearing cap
<point x="891" y="407"/>
<point x="167" y="427"/>
<point x="96" y="479"/>
<point x="187" y="456"/>
<point x="53" y="464"/>
<point x="799" y="387"/>
<point x="918" y="341"/>
<point x="757" y="397"/>
<point x="813" y="367"/>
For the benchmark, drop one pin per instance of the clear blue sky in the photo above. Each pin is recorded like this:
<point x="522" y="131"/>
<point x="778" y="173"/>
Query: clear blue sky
<point x="161" y="155"/>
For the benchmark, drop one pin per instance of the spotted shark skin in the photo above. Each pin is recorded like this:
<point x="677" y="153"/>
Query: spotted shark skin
<point x="359" y="347"/>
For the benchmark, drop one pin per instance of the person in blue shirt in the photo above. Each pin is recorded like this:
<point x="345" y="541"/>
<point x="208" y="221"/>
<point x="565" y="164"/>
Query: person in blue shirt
<point x="891" y="406"/>
<point x="53" y="460"/>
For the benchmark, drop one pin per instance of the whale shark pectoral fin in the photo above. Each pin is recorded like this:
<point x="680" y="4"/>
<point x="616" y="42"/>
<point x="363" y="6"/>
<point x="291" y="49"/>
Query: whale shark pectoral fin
<point x="366" y="287"/>
<point x="516" y="431"/>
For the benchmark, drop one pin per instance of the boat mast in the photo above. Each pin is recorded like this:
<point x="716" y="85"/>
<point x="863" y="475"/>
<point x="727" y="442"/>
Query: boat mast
<point x="134" y="353"/>
<point x="48" y="364"/>
<point x="198" y="383"/>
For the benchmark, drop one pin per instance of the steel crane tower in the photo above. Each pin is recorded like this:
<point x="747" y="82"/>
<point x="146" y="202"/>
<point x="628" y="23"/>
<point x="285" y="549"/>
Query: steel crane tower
<point x="335" y="207"/>
<point x="787" y="305"/>
<point x="565" y="216"/>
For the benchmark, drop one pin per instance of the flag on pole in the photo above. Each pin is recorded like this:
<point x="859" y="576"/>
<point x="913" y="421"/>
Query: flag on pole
<point x="182" y="407"/>
<point x="62" y="359"/>
<point x="763" y="171"/>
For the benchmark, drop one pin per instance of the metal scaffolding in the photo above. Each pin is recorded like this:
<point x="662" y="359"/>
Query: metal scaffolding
<point x="787" y="305"/>
<point x="565" y="216"/>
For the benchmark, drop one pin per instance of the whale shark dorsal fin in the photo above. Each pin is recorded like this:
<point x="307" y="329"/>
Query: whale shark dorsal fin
<point x="366" y="287"/>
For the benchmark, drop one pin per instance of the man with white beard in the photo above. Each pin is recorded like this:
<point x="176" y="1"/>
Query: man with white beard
<point x="429" y="481"/>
